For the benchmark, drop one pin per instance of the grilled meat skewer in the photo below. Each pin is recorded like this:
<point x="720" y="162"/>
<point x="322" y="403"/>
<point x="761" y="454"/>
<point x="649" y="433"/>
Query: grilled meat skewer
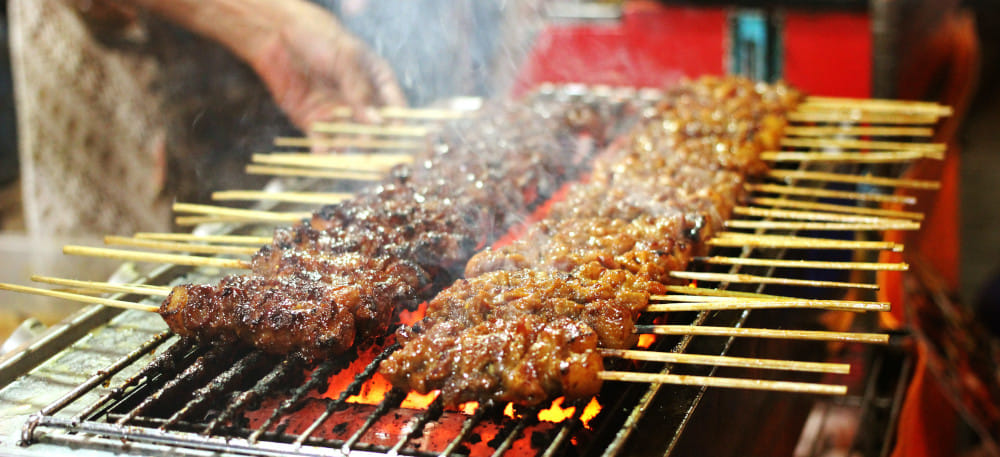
<point x="645" y="211"/>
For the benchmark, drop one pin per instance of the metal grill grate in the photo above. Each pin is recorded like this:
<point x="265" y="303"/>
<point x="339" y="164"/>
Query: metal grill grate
<point x="179" y="398"/>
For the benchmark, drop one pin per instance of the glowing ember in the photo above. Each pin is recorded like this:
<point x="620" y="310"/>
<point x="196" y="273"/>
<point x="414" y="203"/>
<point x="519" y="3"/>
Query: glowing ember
<point x="509" y="411"/>
<point x="419" y="401"/>
<point x="556" y="413"/>
<point x="411" y="317"/>
<point x="590" y="411"/>
<point x="646" y="340"/>
<point x="468" y="407"/>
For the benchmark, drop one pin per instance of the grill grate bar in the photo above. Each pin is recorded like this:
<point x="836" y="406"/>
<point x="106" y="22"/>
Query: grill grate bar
<point x="467" y="426"/>
<point x="392" y="400"/>
<point x="433" y="412"/>
<point x="196" y="369"/>
<point x="567" y="427"/>
<point x="264" y="385"/>
<point x="352" y="389"/>
<point x="216" y="387"/>
<point x="27" y="434"/>
<point x="318" y="376"/>
<point x="515" y="432"/>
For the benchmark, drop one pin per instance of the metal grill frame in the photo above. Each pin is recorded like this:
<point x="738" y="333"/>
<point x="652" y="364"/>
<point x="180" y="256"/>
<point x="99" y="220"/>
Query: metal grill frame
<point x="49" y="426"/>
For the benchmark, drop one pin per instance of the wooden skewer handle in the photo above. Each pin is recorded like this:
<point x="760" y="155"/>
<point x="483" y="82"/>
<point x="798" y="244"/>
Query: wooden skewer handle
<point x="79" y="297"/>
<point x="712" y="381"/>
<point x="139" y="256"/>
<point x="727" y="361"/>
<point x="818" y="335"/>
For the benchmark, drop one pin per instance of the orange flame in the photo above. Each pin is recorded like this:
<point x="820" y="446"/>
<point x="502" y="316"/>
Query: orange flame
<point x="558" y="414"/>
<point x="646" y="340"/>
<point x="419" y="401"/>
<point x="411" y="317"/>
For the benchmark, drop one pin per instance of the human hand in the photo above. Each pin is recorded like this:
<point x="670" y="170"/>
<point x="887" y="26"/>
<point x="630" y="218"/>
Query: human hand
<point x="313" y="67"/>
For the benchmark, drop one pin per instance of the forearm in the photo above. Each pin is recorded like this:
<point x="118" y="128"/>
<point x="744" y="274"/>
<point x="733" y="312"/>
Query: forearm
<point x="245" y="27"/>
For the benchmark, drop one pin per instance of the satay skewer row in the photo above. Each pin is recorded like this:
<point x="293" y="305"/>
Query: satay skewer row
<point x="714" y="381"/>
<point x="346" y="175"/>
<point x="753" y="279"/>
<point x="322" y="198"/>
<point x="233" y="239"/>
<point x="824" y="176"/>
<point x="854" y="130"/>
<point x="849" y="156"/>
<point x="352" y="128"/>
<point x="652" y="329"/>
<point x="346" y="143"/>
<point x="740" y="239"/>
<point x="783" y="189"/>
<point x="837" y="208"/>
<point x="179" y="246"/>
<point x="847" y="143"/>
<point x="727" y="361"/>
<point x="786" y="365"/>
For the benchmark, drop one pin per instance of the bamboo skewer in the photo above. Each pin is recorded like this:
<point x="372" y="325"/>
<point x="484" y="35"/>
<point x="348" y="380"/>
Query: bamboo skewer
<point x="714" y="381"/>
<point x="875" y="104"/>
<point x="312" y="173"/>
<point x="702" y="291"/>
<point x="825" y="193"/>
<point x="854" y="130"/>
<point x="752" y="279"/>
<point x="740" y="304"/>
<point x="844" y="143"/>
<point x="836" y="226"/>
<point x="187" y="221"/>
<point x="345" y="143"/>
<point x="322" y="198"/>
<point x="345" y="161"/>
<point x="351" y="128"/>
<point x="854" y="179"/>
<point x="233" y="239"/>
<point x="702" y="298"/>
<point x="738" y="239"/>
<point x="238" y="212"/>
<point x="818" y="264"/>
<point x="79" y="297"/>
<point x="728" y="361"/>
<point x="849" y="157"/>
<point x="141" y="289"/>
<point x="813" y="215"/>
<point x="786" y="203"/>
<point x="861" y="117"/>
<point x="140" y="256"/>
<point x="812" y="335"/>
<point x="176" y="246"/>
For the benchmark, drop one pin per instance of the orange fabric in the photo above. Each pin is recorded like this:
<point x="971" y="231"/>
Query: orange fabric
<point x="926" y="421"/>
